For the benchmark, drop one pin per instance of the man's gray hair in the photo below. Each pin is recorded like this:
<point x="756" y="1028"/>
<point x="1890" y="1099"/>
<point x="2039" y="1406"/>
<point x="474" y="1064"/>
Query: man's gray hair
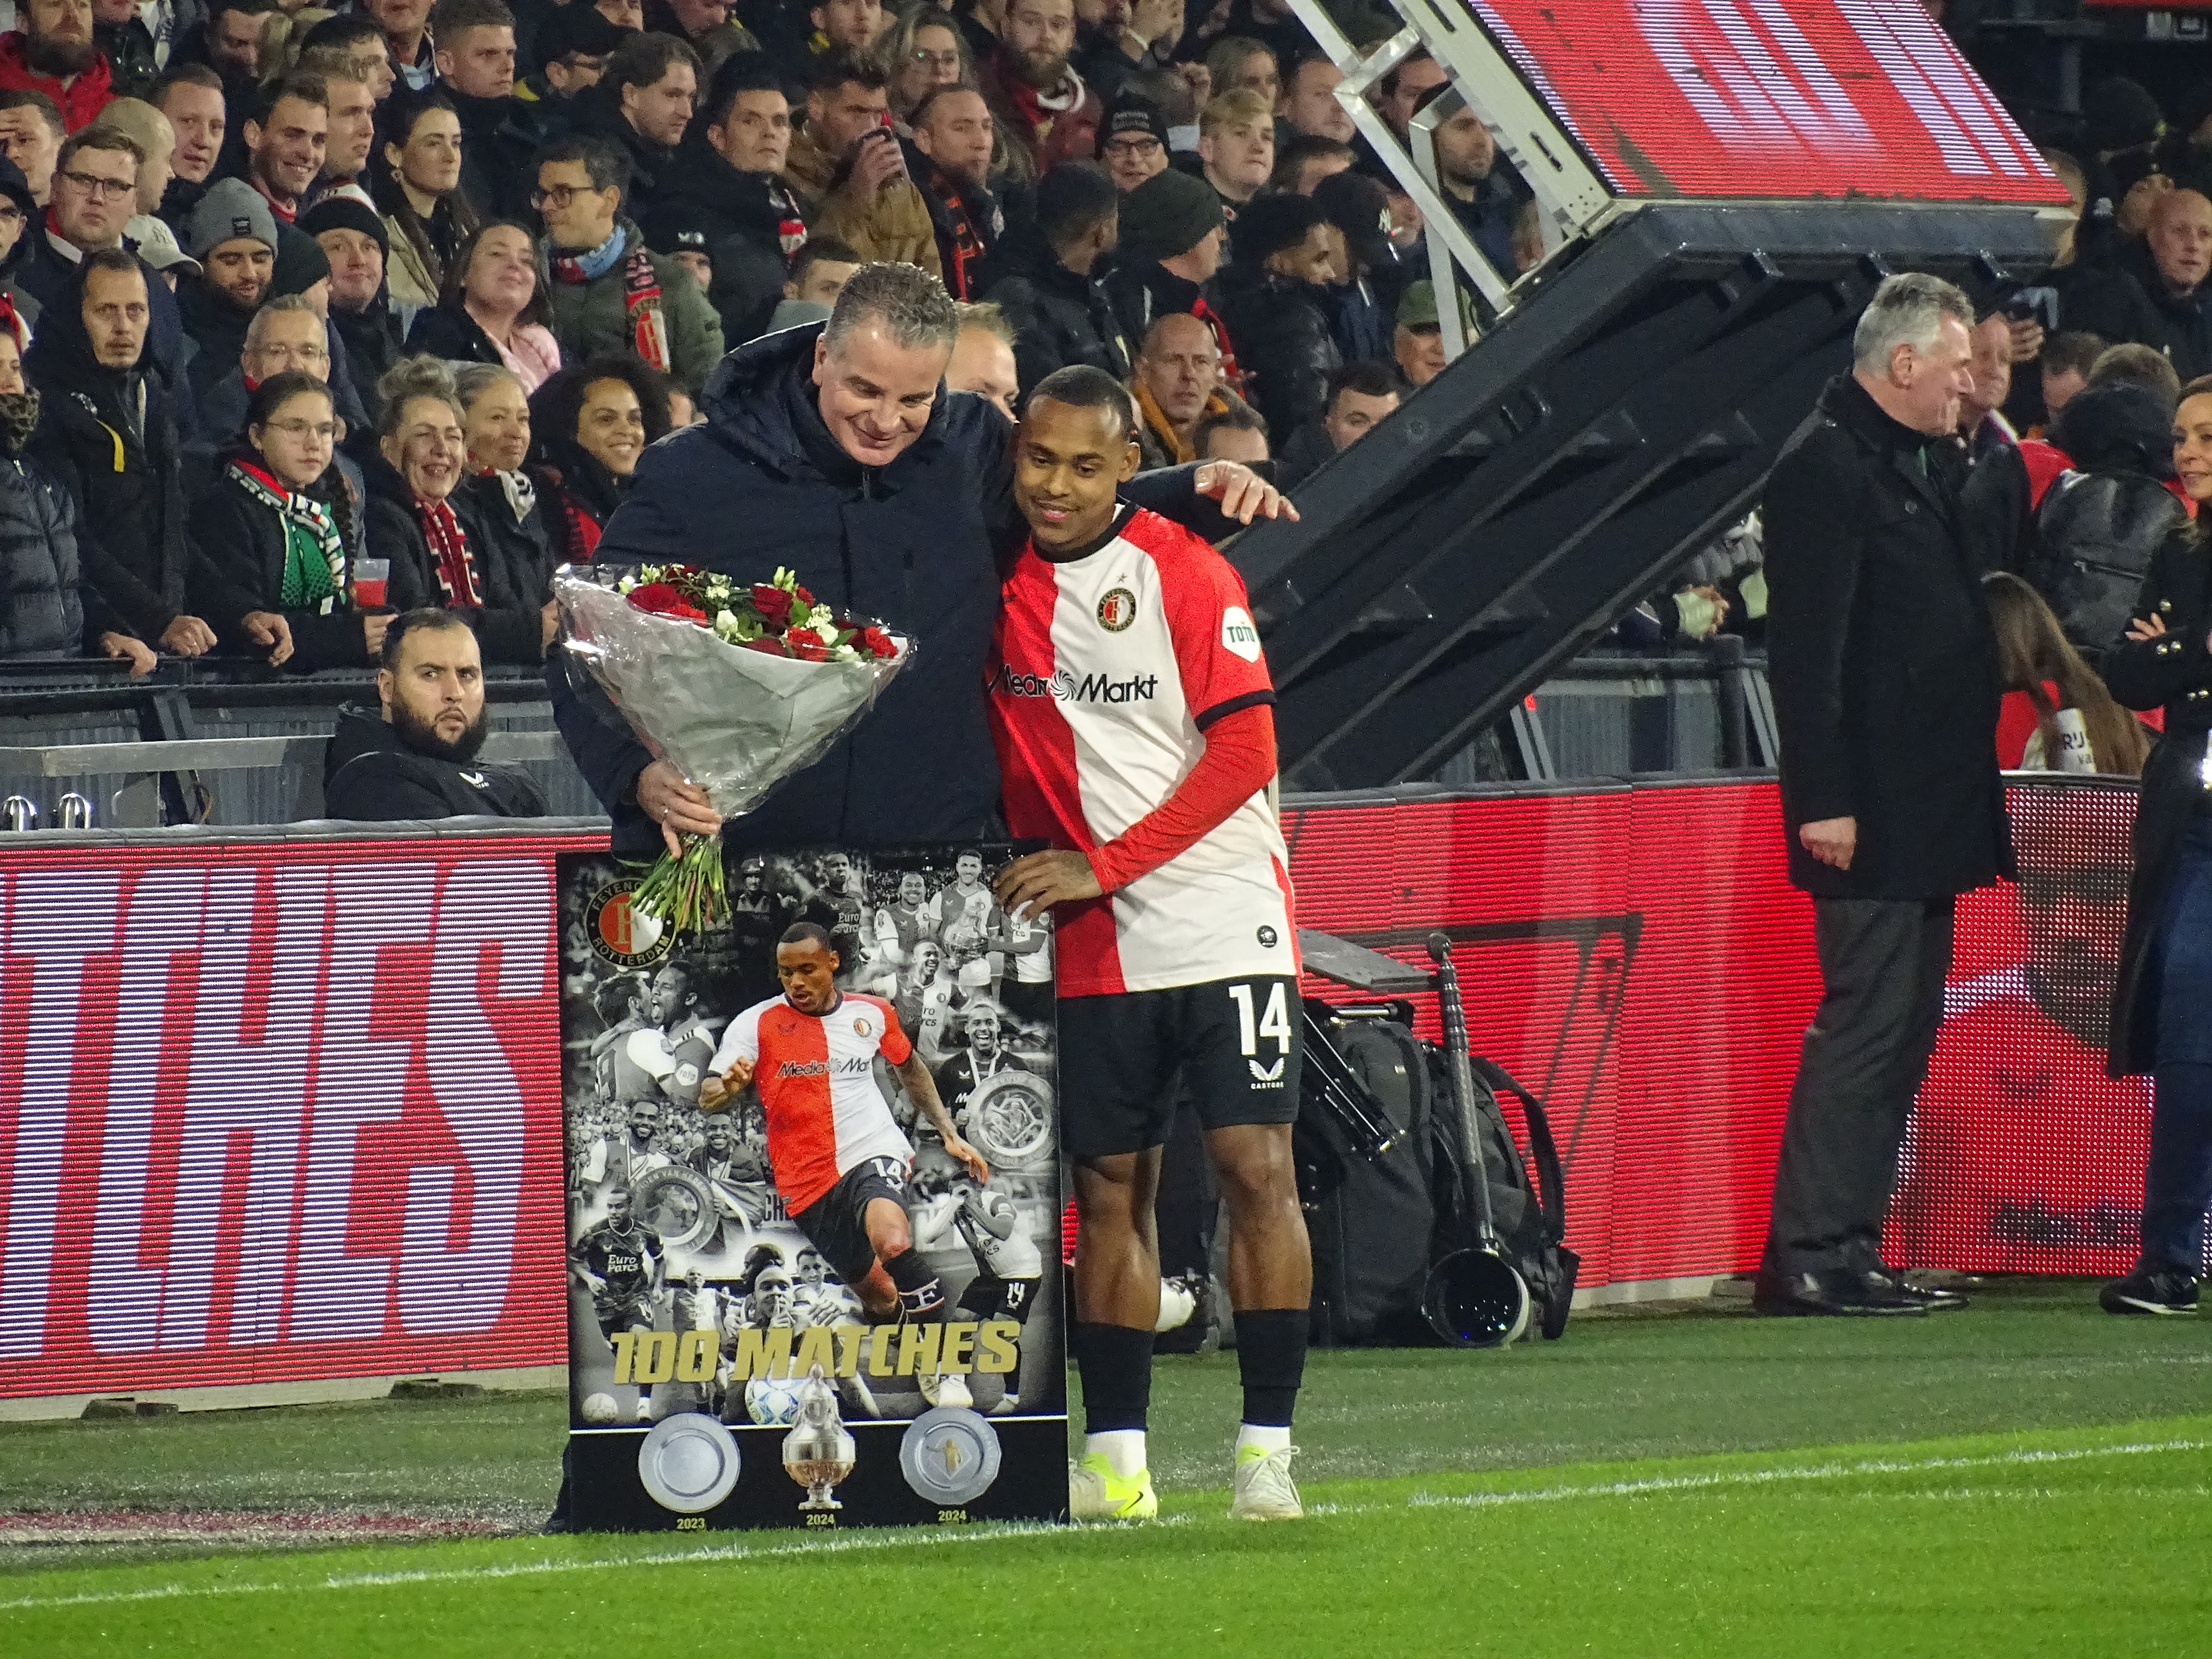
<point x="282" y="306"/>
<point x="911" y="305"/>
<point x="1907" y="309"/>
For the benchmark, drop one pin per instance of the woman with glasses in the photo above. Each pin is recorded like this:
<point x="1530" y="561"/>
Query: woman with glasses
<point x="421" y="524"/>
<point x="498" y="499"/>
<point x="277" y="531"/>
<point x="592" y="425"/>
<point x="923" y="53"/>
<point x="416" y="182"/>
<point x="494" y="309"/>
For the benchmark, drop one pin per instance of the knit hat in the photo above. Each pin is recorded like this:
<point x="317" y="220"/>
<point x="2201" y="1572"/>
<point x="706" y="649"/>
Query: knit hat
<point x="232" y="210"/>
<point x="1170" y="213"/>
<point x="2117" y="113"/>
<point x="153" y="240"/>
<point x="1269" y="223"/>
<point x="16" y="190"/>
<point x="674" y="227"/>
<point x="1130" y="113"/>
<point x="300" y="264"/>
<point x="1417" y="306"/>
<point x="1359" y="207"/>
<point x="346" y="211"/>
<point x="576" y="31"/>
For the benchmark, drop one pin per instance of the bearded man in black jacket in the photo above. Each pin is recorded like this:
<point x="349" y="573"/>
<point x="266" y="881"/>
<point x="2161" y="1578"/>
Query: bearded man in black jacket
<point x="418" y="760"/>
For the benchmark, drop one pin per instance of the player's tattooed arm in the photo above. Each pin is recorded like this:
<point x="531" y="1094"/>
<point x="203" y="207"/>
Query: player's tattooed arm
<point x="921" y="1089"/>
<point x="718" y="1089"/>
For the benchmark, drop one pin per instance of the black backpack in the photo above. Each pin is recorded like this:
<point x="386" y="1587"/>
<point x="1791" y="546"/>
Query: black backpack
<point x="1372" y="1222"/>
<point x="2096" y="534"/>
<point x="1530" y="1217"/>
<point x="1377" y="1225"/>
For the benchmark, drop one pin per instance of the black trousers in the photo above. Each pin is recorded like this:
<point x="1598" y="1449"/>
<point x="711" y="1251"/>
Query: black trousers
<point x="1882" y="964"/>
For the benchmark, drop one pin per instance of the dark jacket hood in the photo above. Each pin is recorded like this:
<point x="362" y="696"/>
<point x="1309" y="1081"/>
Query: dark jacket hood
<point x="2118" y="427"/>
<point x="760" y="401"/>
<point x="61" y="357"/>
<point x="702" y="178"/>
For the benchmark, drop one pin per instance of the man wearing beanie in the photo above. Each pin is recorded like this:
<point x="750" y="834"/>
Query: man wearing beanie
<point x="1165" y="259"/>
<point x="1133" y="141"/>
<point x="233" y="235"/>
<point x="353" y="239"/>
<point x="572" y="44"/>
<point x="1274" y="296"/>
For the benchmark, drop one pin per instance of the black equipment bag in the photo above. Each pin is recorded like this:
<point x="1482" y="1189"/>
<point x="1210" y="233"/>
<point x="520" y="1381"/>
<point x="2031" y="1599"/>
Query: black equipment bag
<point x="1530" y="1216"/>
<point x="1370" y="1216"/>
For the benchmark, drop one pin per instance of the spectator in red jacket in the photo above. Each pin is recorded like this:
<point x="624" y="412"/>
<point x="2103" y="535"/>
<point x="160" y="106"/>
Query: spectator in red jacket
<point x="52" y="52"/>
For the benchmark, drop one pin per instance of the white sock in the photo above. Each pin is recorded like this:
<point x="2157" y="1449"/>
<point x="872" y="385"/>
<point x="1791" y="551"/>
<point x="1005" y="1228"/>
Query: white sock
<point x="1266" y="1438"/>
<point x="1123" y="1448"/>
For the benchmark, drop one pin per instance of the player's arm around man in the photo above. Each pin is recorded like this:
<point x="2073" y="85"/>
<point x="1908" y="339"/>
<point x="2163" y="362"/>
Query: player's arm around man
<point x="1131" y="710"/>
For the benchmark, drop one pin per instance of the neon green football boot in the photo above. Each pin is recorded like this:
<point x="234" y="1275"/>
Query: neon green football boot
<point x="1095" y="1493"/>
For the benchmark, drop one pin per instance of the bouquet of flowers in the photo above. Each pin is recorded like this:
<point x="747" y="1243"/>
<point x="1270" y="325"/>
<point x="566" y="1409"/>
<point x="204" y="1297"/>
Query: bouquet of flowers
<point x="735" y="685"/>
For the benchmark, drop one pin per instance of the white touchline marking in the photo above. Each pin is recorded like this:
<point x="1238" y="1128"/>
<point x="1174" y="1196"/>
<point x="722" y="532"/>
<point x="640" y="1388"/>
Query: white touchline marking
<point x="1805" y="1472"/>
<point x="994" y="1531"/>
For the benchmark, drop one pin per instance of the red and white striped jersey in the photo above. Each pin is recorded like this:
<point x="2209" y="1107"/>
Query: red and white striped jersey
<point x="1109" y="669"/>
<point x="815" y="1075"/>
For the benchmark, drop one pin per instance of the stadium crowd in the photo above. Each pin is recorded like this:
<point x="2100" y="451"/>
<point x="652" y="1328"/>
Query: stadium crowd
<point x="308" y="318"/>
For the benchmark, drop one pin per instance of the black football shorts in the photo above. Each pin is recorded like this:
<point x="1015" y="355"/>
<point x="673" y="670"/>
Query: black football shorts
<point x="837" y="1222"/>
<point x="1235" y="1043"/>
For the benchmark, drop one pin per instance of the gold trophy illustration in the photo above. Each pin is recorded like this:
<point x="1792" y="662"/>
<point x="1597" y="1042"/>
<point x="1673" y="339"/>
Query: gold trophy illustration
<point x="819" y="1452"/>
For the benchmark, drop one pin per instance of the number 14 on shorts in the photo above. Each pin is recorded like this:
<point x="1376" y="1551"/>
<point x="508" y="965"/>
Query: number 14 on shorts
<point x="1273" y="1024"/>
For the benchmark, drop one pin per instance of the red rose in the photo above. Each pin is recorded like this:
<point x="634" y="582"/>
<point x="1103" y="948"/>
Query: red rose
<point x="875" y="641"/>
<point x="657" y="598"/>
<point x="805" y="599"/>
<point x="769" y="646"/>
<point x="774" y="606"/>
<point x="807" y="648"/>
<point x="688" y="611"/>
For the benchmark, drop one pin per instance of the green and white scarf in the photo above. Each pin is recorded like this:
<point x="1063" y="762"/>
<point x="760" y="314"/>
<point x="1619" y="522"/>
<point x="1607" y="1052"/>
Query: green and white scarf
<point x="314" y="558"/>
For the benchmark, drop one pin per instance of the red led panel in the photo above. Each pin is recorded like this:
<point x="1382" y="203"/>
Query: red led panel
<point x="1787" y="99"/>
<point x="2024" y="1156"/>
<point x="278" y="1111"/>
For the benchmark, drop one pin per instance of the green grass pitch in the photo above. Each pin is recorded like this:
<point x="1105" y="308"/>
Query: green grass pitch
<point x="2028" y="1477"/>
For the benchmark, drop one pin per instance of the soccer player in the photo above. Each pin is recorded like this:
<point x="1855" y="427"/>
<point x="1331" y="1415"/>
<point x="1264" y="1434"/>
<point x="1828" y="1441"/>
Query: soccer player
<point x="901" y="927"/>
<point x="1131" y="712"/>
<point x="840" y="1160"/>
<point x="622" y="1263"/>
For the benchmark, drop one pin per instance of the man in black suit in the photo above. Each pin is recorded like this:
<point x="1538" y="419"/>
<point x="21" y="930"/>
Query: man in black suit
<point x="1885" y="678"/>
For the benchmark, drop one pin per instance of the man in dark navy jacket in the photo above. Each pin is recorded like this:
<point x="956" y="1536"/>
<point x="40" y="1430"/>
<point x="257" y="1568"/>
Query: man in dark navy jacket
<point x="835" y="451"/>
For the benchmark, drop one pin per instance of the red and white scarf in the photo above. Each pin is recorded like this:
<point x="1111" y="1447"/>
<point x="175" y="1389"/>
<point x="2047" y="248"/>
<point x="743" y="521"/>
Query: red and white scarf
<point x="457" y="566"/>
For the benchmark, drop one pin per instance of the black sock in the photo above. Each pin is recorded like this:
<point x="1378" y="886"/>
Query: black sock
<point x="1115" y="1364"/>
<point x="922" y="1293"/>
<point x="1271" y="1357"/>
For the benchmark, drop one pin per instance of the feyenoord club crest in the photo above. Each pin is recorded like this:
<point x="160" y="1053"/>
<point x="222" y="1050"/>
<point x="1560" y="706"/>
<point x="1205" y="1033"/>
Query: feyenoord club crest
<point x="1117" y="610"/>
<point x="862" y="1027"/>
<point x="620" y="935"/>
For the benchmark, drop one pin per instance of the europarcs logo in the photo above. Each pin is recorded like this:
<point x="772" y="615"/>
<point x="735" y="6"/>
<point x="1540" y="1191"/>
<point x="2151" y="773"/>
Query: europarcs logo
<point x="1061" y="685"/>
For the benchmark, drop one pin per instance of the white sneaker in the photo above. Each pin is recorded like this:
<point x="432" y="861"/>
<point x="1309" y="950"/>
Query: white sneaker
<point x="947" y="1389"/>
<point x="1263" y="1489"/>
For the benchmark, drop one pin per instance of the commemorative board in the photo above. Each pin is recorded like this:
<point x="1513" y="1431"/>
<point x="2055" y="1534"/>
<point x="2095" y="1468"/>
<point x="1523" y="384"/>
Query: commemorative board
<point x="794" y="1299"/>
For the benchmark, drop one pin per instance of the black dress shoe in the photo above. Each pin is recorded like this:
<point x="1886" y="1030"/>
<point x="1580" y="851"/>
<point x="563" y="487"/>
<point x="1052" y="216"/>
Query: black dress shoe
<point x="1883" y="1277"/>
<point x="1836" y="1291"/>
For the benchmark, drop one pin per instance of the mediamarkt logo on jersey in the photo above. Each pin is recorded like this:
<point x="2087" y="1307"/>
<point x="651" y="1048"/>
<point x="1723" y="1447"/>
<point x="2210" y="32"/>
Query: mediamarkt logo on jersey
<point x="274" y="1110"/>
<point x="1091" y="688"/>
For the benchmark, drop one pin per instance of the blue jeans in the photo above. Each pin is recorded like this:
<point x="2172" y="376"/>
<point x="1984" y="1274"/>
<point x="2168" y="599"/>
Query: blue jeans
<point x="2177" y="1181"/>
